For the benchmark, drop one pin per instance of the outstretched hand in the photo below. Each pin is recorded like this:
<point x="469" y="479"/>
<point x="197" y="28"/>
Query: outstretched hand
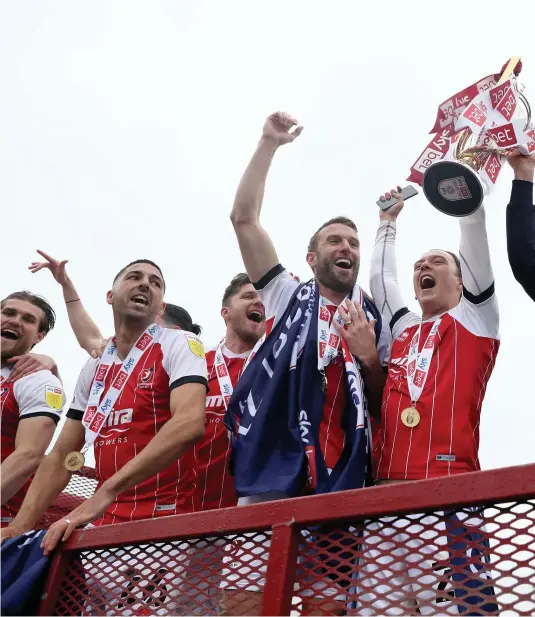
<point x="278" y="128"/>
<point x="56" y="267"/>
<point x="393" y="212"/>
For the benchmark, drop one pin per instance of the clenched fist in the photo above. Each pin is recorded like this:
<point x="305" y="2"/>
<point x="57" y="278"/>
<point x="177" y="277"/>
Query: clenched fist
<point x="278" y="128"/>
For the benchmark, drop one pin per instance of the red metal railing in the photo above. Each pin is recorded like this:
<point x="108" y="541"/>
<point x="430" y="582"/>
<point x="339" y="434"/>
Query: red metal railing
<point x="464" y="543"/>
<point x="81" y="487"/>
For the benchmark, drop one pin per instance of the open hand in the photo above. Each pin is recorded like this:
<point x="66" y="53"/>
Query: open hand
<point x="358" y="332"/>
<point x="91" y="509"/>
<point x="10" y="532"/>
<point x="29" y="363"/>
<point x="277" y="128"/>
<point x="57" y="268"/>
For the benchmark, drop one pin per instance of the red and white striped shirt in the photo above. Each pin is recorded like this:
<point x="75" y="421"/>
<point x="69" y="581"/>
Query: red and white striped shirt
<point x="139" y="413"/>
<point x="446" y="440"/>
<point x="215" y="484"/>
<point x="276" y="289"/>
<point x="38" y="394"/>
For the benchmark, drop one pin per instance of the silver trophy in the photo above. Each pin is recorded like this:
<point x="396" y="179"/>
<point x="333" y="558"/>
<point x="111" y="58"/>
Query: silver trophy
<point x="476" y="130"/>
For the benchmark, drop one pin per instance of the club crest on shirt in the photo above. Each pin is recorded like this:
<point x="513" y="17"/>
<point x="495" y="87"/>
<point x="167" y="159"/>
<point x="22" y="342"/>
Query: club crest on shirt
<point x="4" y="393"/>
<point x="146" y="378"/>
<point x="402" y="336"/>
<point x="195" y="346"/>
<point x="54" y="397"/>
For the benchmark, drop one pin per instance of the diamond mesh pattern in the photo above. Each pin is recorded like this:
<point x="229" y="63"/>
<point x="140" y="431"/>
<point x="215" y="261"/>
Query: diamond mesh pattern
<point x="474" y="560"/>
<point x="81" y="486"/>
<point x="470" y="561"/>
<point x="209" y="576"/>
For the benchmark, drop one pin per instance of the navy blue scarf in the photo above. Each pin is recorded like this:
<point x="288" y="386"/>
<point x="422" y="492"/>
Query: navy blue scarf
<point x="276" y="409"/>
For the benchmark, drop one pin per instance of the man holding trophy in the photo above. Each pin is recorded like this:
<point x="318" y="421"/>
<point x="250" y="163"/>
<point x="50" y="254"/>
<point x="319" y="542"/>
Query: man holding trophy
<point x="441" y="361"/>
<point x="437" y="376"/>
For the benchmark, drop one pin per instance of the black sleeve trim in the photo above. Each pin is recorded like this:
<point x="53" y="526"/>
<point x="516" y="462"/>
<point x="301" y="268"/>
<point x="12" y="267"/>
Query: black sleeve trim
<point x="36" y="414"/>
<point x="75" y="414"/>
<point x="189" y="379"/>
<point x="269" y="276"/>
<point x="480" y="298"/>
<point x="397" y="316"/>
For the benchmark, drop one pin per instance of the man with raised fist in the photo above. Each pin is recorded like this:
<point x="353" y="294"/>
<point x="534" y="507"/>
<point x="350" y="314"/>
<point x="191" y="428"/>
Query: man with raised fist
<point x="319" y="374"/>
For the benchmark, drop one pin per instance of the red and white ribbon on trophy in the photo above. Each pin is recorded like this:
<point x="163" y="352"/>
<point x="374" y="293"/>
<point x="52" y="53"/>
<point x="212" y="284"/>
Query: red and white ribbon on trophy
<point x="484" y="113"/>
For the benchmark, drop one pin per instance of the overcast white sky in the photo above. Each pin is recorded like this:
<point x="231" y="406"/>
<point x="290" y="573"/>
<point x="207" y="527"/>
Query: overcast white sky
<point x="126" y="126"/>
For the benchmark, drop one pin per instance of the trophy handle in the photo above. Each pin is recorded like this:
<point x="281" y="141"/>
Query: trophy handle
<point x="511" y="65"/>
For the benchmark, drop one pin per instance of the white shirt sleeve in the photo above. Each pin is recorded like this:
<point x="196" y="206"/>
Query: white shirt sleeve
<point x="384" y="345"/>
<point x="384" y="281"/>
<point x="184" y="359"/>
<point x="478" y="309"/>
<point x="39" y="394"/>
<point x="276" y="289"/>
<point x="82" y="389"/>
<point x="474" y="255"/>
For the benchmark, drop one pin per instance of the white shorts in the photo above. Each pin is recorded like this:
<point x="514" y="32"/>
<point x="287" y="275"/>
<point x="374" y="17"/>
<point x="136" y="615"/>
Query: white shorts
<point x="246" y="560"/>
<point x="430" y="564"/>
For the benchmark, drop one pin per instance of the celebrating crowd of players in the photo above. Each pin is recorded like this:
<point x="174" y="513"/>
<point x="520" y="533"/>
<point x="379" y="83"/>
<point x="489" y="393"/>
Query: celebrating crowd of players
<point x="320" y="386"/>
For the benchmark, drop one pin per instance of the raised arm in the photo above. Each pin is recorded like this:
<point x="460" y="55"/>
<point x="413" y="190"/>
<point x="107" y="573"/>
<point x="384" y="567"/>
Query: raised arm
<point x="85" y="329"/>
<point x="521" y="223"/>
<point x="258" y="252"/>
<point x="474" y="254"/>
<point x="383" y="272"/>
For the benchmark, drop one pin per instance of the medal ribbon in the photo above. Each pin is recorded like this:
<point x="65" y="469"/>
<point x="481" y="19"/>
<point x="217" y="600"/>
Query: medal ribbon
<point x="328" y="337"/>
<point x="418" y="363"/>
<point x="221" y="369"/>
<point x="97" y="411"/>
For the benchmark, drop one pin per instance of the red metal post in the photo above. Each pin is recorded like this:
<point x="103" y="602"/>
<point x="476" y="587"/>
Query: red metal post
<point x="56" y="575"/>
<point x="281" y="569"/>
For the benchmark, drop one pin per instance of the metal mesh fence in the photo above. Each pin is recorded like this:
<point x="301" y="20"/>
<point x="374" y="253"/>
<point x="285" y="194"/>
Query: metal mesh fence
<point x="467" y="561"/>
<point x="209" y="576"/>
<point x="81" y="486"/>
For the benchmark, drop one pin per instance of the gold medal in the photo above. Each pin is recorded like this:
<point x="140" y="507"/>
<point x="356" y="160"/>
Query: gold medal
<point x="74" y="461"/>
<point x="410" y="417"/>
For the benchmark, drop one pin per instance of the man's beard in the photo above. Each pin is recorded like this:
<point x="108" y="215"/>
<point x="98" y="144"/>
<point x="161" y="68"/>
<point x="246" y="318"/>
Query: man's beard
<point x="246" y="335"/>
<point x="325" y="274"/>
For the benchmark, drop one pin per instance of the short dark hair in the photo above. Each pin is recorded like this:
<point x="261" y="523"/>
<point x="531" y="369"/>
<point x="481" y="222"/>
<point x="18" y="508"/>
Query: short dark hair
<point x="341" y="220"/>
<point x="457" y="263"/>
<point x="174" y="316"/>
<point x="48" y="320"/>
<point x="139" y="261"/>
<point x="234" y="287"/>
